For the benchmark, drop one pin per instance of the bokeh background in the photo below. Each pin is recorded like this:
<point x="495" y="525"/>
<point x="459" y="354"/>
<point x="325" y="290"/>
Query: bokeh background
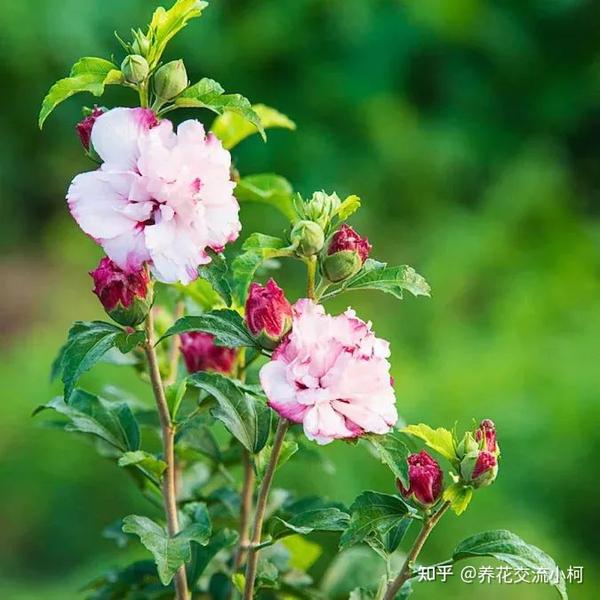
<point x="471" y="130"/>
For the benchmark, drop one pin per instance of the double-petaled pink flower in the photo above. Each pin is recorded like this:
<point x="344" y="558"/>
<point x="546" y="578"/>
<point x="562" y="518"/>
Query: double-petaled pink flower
<point x="332" y="375"/>
<point x="160" y="196"/>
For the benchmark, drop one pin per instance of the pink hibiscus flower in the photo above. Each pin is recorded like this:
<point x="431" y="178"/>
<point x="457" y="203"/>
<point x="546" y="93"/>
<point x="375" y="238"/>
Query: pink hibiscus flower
<point x="160" y="196"/>
<point x="331" y="374"/>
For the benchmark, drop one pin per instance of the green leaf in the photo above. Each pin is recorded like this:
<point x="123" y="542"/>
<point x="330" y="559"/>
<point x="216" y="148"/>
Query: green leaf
<point x="216" y="274"/>
<point x="86" y="343"/>
<point x="147" y="463"/>
<point x="373" y="515"/>
<point x="391" y="280"/>
<point x="303" y="553"/>
<point x="257" y="248"/>
<point x="288" y="449"/>
<point x="202" y="555"/>
<point x="246" y="418"/>
<point x="167" y="23"/>
<point x="352" y="568"/>
<point x="209" y="94"/>
<point x="270" y="189"/>
<point x="317" y="519"/>
<point x="392" y="539"/>
<point x="231" y="128"/>
<point x="394" y="453"/>
<point x="511" y="549"/>
<point x="169" y="552"/>
<point x="348" y="207"/>
<point x="87" y="75"/>
<point x="440" y="439"/>
<point x="459" y="496"/>
<point x="226" y="325"/>
<point x="111" y="421"/>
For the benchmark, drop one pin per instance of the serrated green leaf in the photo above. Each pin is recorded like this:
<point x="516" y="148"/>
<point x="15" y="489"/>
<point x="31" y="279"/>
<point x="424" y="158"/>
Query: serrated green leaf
<point x="511" y="549"/>
<point x="86" y="344"/>
<point x="391" y="280"/>
<point x="393" y="452"/>
<point x="169" y="553"/>
<point x="209" y="94"/>
<point x="111" y="421"/>
<point x="231" y="128"/>
<point x="167" y="23"/>
<point x="459" y="496"/>
<point x="392" y="539"/>
<point x="317" y="519"/>
<point x="89" y="74"/>
<point x="216" y="274"/>
<point x="373" y="515"/>
<point x="147" y="463"/>
<point x="440" y="439"/>
<point x="270" y="189"/>
<point x="226" y="325"/>
<point x="247" y="418"/>
<point x="256" y="249"/>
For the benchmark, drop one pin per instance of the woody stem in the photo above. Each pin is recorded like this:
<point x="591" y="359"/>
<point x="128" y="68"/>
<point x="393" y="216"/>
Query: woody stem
<point x="406" y="570"/>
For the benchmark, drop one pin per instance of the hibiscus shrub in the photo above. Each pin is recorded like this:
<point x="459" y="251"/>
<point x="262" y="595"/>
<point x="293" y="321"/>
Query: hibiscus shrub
<point x="222" y="352"/>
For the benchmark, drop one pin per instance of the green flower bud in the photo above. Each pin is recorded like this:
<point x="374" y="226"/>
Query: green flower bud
<point x="468" y="445"/>
<point x="135" y="68"/>
<point x="320" y="208"/>
<point x="346" y="254"/>
<point x="141" y="44"/>
<point x="307" y="238"/>
<point x="170" y="80"/>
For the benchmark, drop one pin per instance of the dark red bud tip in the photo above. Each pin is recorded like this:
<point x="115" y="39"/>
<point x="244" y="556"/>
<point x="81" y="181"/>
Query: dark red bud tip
<point x="346" y="239"/>
<point x="200" y="353"/>
<point x="487" y="431"/>
<point x="485" y="462"/>
<point x="268" y="313"/>
<point x="84" y="128"/>
<point x="425" y="479"/>
<point x="125" y="295"/>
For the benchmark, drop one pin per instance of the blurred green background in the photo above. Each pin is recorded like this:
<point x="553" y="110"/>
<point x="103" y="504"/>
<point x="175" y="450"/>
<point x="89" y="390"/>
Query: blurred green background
<point x="470" y="129"/>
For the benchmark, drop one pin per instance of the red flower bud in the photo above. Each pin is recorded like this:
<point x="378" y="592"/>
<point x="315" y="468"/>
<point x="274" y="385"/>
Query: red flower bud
<point x="425" y="479"/>
<point x="84" y="128"/>
<point x="126" y="295"/>
<point x="268" y="314"/>
<point x="200" y="353"/>
<point x="346" y="254"/>
<point x="487" y="431"/>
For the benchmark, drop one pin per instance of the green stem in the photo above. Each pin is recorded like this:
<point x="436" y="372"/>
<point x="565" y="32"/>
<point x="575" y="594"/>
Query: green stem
<point x="311" y="266"/>
<point x="143" y="91"/>
<point x="169" y="486"/>
<point x="261" y="507"/>
<point x="322" y="288"/>
<point x="406" y="570"/>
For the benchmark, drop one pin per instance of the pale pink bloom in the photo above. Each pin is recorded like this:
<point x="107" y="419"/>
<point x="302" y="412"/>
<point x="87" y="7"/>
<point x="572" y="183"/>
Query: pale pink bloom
<point x="331" y="374"/>
<point x="160" y="196"/>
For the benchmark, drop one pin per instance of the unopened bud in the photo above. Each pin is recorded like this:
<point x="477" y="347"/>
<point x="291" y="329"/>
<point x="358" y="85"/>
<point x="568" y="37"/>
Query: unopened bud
<point x="307" y="238"/>
<point x="486" y="433"/>
<point x="200" y="353"/>
<point x="126" y="295"/>
<point x="346" y="254"/>
<point x="425" y="478"/>
<point x="479" y="469"/>
<point x="84" y="127"/>
<point x="268" y="314"/>
<point x="170" y="80"/>
<point x="135" y="68"/>
<point x="141" y="44"/>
